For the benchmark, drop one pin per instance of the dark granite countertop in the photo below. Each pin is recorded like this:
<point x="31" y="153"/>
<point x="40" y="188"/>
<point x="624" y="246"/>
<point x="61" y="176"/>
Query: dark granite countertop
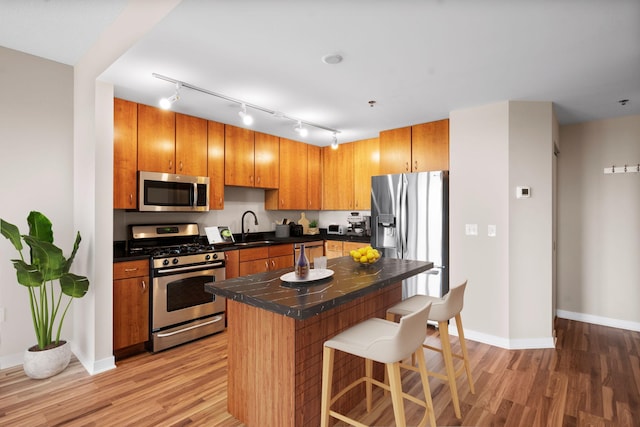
<point x="301" y="301"/>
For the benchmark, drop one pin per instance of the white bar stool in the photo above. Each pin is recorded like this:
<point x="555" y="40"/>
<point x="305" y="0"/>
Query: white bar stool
<point x="385" y="342"/>
<point x="442" y="310"/>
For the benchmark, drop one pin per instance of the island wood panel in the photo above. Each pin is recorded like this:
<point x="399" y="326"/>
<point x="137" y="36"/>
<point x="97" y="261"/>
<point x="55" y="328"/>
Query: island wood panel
<point x="275" y="361"/>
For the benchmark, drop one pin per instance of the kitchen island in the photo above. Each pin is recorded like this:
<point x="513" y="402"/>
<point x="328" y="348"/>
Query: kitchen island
<point x="276" y="331"/>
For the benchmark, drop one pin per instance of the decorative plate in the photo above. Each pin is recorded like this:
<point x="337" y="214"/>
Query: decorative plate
<point x="314" y="275"/>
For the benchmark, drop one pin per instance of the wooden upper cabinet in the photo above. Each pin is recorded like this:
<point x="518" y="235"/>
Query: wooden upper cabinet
<point x="125" y="154"/>
<point x="215" y="164"/>
<point x="191" y="145"/>
<point x="395" y="151"/>
<point x="430" y="146"/>
<point x="239" y="156"/>
<point x="292" y="193"/>
<point x="267" y="160"/>
<point x="366" y="163"/>
<point x="314" y="177"/>
<point x="338" y="179"/>
<point x="156" y="139"/>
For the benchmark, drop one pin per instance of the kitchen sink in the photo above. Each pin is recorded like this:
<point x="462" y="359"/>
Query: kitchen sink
<point x="256" y="242"/>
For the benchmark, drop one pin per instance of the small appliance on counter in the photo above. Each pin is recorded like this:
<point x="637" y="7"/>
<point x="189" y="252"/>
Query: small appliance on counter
<point x="336" y="229"/>
<point x="359" y="225"/>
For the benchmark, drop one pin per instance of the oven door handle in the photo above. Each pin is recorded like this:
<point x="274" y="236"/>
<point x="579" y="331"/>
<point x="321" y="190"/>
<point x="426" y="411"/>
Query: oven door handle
<point x="192" y="268"/>
<point x="168" y="334"/>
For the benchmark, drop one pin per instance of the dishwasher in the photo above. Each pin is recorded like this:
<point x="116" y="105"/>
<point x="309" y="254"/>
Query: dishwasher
<point x="312" y="249"/>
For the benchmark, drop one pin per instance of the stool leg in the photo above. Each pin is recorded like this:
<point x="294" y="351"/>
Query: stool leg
<point x="395" y="383"/>
<point x="425" y="385"/>
<point x="368" y="367"/>
<point x="448" y="363"/>
<point x="327" y="381"/>
<point x="465" y="355"/>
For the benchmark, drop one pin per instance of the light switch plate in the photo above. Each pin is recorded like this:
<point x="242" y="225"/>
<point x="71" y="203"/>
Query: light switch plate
<point x="491" y="230"/>
<point x="471" y="229"/>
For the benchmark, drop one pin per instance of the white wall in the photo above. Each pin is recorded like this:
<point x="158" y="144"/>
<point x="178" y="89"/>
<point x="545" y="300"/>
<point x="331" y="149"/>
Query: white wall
<point x="36" y="138"/>
<point x="599" y="223"/>
<point x="493" y="149"/>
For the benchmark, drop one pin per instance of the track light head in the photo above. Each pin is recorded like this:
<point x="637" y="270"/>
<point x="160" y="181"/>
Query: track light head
<point x="165" y="103"/>
<point x="334" y="143"/>
<point x="303" y="132"/>
<point x="246" y="118"/>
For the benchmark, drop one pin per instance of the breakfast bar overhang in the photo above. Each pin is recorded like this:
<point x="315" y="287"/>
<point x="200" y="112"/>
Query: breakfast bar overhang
<point x="276" y="331"/>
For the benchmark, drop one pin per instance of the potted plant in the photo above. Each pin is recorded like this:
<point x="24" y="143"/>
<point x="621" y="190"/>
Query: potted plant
<point x="313" y="227"/>
<point x="45" y="266"/>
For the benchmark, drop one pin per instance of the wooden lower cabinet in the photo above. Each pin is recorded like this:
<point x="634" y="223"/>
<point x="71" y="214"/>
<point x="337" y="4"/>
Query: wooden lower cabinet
<point x="130" y="306"/>
<point x="232" y="264"/>
<point x="333" y="249"/>
<point x="349" y="246"/>
<point x="266" y="258"/>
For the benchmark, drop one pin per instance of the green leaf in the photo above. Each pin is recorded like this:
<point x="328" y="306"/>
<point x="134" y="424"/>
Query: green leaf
<point x="76" y="245"/>
<point x="12" y="233"/>
<point x="73" y="285"/>
<point x="28" y="275"/>
<point x="40" y="227"/>
<point x="47" y="257"/>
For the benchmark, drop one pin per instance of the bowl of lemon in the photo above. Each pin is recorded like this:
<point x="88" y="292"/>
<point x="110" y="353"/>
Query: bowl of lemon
<point x="365" y="255"/>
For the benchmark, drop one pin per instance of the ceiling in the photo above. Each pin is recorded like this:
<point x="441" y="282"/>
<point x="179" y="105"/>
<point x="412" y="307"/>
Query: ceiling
<point x="418" y="60"/>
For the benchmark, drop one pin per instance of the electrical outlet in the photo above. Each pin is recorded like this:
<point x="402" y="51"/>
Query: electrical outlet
<point x="491" y="230"/>
<point x="471" y="229"/>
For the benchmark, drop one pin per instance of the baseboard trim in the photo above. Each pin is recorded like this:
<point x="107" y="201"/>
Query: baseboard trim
<point x="509" y="344"/>
<point x="599" y="320"/>
<point x="94" y="366"/>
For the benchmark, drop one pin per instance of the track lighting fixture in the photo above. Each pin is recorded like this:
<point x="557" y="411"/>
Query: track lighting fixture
<point x="303" y="132"/>
<point x="334" y="143"/>
<point x="165" y="103"/>
<point x="246" y="118"/>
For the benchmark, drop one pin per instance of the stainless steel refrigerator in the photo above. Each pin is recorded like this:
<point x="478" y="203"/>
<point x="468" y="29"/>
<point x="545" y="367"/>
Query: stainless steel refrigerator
<point x="410" y="220"/>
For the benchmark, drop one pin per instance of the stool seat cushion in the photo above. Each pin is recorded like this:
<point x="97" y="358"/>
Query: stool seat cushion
<point x="438" y="309"/>
<point x="370" y="339"/>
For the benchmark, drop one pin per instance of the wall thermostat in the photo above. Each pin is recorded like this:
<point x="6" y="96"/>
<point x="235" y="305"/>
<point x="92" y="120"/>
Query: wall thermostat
<point x="523" y="192"/>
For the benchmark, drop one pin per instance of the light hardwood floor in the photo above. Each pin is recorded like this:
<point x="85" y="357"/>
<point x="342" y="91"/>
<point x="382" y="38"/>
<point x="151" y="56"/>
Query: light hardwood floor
<point x="592" y="378"/>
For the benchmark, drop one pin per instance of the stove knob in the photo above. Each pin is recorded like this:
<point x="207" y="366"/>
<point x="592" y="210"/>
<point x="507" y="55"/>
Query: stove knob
<point x="175" y="260"/>
<point x="165" y="262"/>
<point x="215" y="256"/>
<point x="208" y="257"/>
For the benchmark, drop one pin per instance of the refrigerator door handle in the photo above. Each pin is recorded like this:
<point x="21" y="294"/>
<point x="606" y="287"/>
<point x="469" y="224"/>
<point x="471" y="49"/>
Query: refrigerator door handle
<point x="403" y="216"/>
<point x="435" y="270"/>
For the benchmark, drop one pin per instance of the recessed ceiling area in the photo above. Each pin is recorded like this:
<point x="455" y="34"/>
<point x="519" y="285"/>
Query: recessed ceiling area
<point x="418" y="60"/>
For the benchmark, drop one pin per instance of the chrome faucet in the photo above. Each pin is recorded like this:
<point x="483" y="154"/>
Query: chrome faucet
<point x="242" y="223"/>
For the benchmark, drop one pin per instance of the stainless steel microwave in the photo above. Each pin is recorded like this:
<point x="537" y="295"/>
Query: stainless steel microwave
<point x="166" y="192"/>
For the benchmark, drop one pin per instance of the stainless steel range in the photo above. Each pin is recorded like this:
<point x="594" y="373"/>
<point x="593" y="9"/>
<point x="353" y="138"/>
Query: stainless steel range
<point x="181" y="264"/>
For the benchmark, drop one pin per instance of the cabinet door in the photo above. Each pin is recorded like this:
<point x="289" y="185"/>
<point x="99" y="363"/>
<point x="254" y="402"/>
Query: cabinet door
<point x="215" y="164"/>
<point x="191" y="145"/>
<point x="125" y="154"/>
<point x="430" y="146"/>
<point x="130" y="311"/>
<point x="284" y="261"/>
<point x="293" y="175"/>
<point x="337" y="183"/>
<point x="254" y="267"/>
<point x="395" y="151"/>
<point x="156" y="139"/>
<point x="349" y="246"/>
<point x="239" y="156"/>
<point x="315" y="252"/>
<point x="314" y="177"/>
<point x="333" y="248"/>
<point x="232" y="264"/>
<point x="267" y="160"/>
<point x="366" y="162"/>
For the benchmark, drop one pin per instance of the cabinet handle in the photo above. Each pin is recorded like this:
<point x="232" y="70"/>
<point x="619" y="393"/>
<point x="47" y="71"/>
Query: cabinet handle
<point x="266" y="265"/>
<point x="131" y="198"/>
<point x="170" y="164"/>
<point x="144" y="286"/>
<point x="129" y="270"/>
<point x="406" y="166"/>
<point x="251" y="179"/>
<point x="258" y="180"/>
<point x="180" y="165"/>
<point x="415" y="167"/>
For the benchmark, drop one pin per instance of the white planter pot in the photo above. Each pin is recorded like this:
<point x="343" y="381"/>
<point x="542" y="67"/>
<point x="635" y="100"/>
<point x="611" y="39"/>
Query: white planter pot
<point x="46" y="363"/>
